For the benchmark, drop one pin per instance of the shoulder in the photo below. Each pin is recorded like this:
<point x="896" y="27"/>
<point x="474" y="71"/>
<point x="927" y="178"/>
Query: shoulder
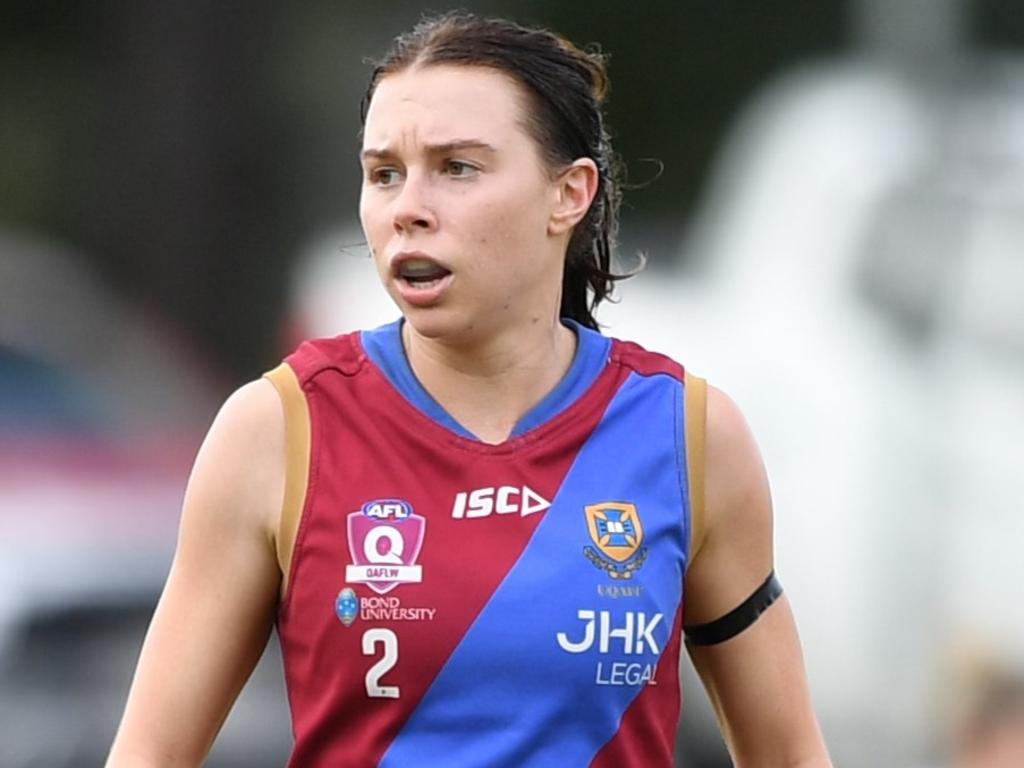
<point x="734" y="469"/>
<point x="250" y="419"/>
<point x="737" y="496"/>
<point x="239" y="471"/>
<point x="728" y="485"/>
<point x="730" y="442"/>
<point x="735" y="552"/>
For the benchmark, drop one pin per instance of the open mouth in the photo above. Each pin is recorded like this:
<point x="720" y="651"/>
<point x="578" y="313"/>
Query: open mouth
<point x="421" y="273"/>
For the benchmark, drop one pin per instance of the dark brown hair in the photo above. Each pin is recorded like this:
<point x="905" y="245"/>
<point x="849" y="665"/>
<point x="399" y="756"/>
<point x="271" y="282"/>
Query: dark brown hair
<point x="566" y="87"/>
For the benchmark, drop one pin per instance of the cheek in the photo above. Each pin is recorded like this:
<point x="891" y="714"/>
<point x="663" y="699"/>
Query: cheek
<point x="366" y="216"/>
<point x="375" y="210"/>
<point x="375" y="229"/>
<point x="517" y="223"/>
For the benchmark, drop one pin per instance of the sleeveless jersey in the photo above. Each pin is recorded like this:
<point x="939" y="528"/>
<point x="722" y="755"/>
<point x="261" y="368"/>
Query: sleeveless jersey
<point x="450" y="602"/>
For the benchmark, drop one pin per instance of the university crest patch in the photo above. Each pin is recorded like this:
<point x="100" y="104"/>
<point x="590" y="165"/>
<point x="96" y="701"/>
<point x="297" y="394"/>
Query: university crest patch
<point x="617" y="531"/>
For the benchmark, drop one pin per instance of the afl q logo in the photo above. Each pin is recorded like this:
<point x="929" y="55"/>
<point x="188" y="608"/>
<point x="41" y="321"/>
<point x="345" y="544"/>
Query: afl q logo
<point x="384" y="540"/>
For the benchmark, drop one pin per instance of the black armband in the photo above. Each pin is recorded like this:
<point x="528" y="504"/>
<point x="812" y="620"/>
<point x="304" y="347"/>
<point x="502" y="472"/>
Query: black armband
<point x="738" y="619"/>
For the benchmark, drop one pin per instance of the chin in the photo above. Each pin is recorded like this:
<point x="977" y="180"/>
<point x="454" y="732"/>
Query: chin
<point x="441" y="324"/>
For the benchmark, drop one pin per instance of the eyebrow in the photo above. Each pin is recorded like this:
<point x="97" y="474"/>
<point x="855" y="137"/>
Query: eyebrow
<point x="435" y="149"/>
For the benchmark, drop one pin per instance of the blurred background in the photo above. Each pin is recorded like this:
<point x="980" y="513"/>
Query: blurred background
<point x="831" y="199"/>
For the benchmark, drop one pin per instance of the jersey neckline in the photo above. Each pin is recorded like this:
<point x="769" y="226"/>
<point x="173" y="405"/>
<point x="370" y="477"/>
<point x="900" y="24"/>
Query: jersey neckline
<point x="384" y="348"/>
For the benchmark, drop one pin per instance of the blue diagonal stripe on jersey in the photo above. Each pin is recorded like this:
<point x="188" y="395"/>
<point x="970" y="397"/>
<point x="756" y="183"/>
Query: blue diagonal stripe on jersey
<point x="510" y="695"/>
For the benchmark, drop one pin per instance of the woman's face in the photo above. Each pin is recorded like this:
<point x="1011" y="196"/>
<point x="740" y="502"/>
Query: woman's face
<point x="457" y="203"/>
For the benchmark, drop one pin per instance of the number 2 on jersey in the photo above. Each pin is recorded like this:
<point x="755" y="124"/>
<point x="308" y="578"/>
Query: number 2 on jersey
<point x="389" y="639"/>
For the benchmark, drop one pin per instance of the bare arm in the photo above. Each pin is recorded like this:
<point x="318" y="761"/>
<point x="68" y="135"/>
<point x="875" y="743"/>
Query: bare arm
<point x="217" y="608"/>
<point x="756" y="680"/>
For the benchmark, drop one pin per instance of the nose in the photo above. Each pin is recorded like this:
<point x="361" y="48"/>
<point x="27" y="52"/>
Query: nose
<point x="412" y="207"/>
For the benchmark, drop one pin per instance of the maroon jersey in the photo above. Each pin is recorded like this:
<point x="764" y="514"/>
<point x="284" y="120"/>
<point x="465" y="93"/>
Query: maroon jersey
<point x="451" y="602"/>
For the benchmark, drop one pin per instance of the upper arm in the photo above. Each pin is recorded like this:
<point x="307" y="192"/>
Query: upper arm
<point x="735" y="553"/>
<point x="756" y="679"/>
<point x="217" y="608"/>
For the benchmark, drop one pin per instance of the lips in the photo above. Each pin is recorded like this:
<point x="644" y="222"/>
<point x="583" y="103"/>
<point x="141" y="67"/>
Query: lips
<point x="421" y="279"/>
<point x="421" y="270"/>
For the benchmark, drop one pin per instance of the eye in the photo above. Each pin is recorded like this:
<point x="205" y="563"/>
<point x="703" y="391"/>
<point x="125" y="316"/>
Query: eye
<point x="460" y="169"/>
<point x="384" y="176"/>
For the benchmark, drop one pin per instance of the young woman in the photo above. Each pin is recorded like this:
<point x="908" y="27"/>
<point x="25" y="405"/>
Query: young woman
<point x="473" y="527"/>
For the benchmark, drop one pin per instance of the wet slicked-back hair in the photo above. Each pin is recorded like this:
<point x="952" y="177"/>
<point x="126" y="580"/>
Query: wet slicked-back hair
<point x="566" y="88"/>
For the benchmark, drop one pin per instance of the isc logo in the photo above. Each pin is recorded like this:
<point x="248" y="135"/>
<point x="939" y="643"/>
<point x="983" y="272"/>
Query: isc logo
<point x="387" y="509"/>
<point x="505" y="500"/>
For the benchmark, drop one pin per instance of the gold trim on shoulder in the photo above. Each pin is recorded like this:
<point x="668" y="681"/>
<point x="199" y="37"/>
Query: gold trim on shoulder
<point x="695" y="412"/>
<point x="297" y="451"/>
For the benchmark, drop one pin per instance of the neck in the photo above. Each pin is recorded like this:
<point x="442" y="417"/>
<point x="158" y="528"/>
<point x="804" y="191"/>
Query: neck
<point x="489" y="386"/>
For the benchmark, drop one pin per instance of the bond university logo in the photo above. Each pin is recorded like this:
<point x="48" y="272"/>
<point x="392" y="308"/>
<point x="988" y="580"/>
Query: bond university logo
<point x="347" y="606"/>
<point x="384" y="539"/>
<point x="618" y="533"/>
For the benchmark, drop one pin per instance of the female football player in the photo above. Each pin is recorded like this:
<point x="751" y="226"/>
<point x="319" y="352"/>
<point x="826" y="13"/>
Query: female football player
<point x="474" y="528"/>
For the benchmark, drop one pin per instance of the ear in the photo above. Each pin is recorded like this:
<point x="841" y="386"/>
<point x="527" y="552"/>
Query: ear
<point x="574" y="192"/>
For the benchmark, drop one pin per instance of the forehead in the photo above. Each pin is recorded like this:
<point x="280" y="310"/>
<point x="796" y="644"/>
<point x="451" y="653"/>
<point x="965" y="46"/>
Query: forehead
<point x="437" y="103"/>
